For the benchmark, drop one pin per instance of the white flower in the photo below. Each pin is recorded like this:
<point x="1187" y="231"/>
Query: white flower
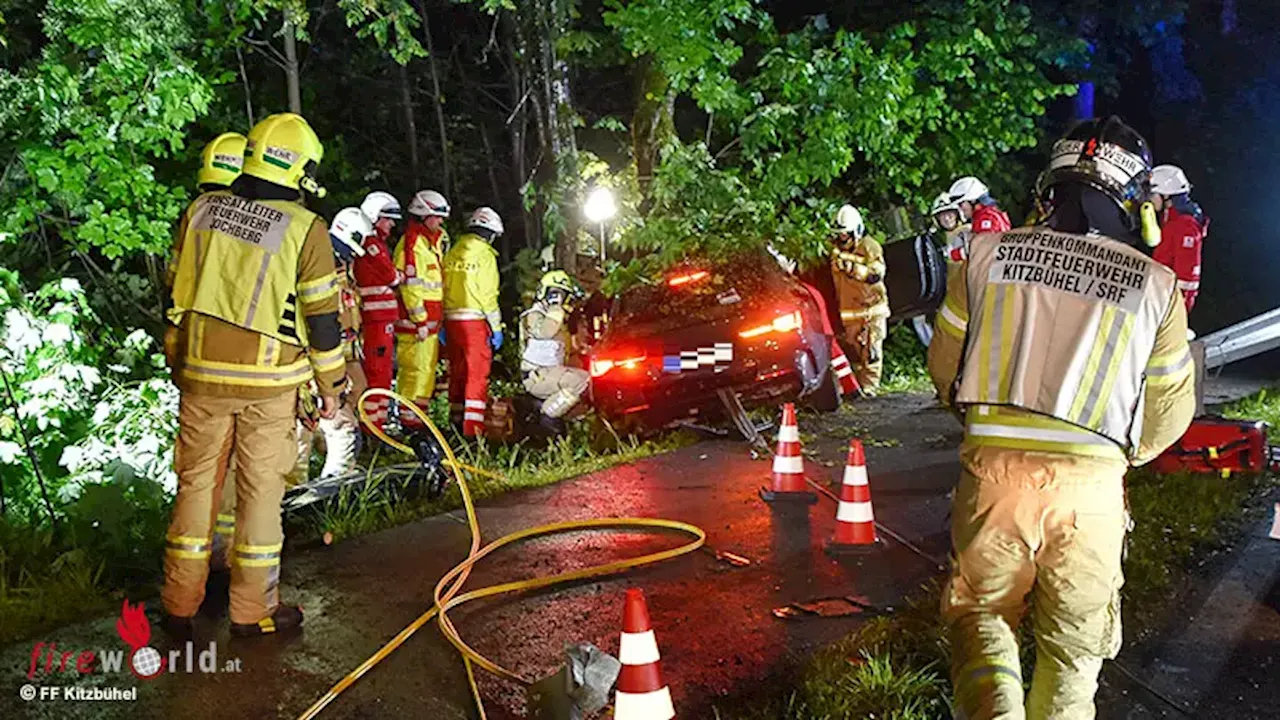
<point x="101" y="413"/>
<point x="57" y="334"/>
<point x="138" y="340"/>
<point x="70" y="285"/>
<point x="9" y="452"/>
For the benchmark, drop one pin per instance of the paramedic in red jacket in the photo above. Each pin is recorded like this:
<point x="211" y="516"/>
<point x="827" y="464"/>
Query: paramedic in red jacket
<point x="376" y="281"/>
<point x="1183" y="226"/>
<point x="977" y="207"/>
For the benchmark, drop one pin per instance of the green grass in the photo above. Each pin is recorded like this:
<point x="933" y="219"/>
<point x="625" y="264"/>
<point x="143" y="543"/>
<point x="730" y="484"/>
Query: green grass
<point x="904" y="362"/>
<point x="43" y="585"/>
<point x="896" y="666"/>
<point x="387" y="500"/>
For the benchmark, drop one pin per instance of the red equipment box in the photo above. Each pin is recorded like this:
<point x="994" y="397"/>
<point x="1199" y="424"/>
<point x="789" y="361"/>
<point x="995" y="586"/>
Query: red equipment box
<point x="1219" y="445"/>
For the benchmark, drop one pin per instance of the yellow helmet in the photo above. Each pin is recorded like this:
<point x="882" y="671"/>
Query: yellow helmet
<point x="283" y="149"/>
<point x="221" y="160"/>
<point x="558" y="280"/>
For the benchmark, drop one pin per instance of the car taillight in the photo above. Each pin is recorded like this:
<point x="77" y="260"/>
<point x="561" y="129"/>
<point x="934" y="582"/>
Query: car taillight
<point x="782" y="323"/>
<point x="601" y="366"/>
<point x="679" y="280"/>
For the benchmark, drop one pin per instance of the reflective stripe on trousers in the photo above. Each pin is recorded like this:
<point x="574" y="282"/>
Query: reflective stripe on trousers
<point x="1045" y="525"/>
<point x="262" y="434"/>
<point x="470" y="359"/>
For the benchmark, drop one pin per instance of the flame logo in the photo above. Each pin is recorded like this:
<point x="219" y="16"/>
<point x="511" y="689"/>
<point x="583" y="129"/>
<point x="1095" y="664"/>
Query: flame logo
<point x="135" y="630"/>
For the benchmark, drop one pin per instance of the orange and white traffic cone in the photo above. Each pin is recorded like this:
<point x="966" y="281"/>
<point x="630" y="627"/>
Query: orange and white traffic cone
<point x="788" y="464"/>
<point x="855" y="521"/>
<point x="641" y="693"/>
<point x="845" y="378"/>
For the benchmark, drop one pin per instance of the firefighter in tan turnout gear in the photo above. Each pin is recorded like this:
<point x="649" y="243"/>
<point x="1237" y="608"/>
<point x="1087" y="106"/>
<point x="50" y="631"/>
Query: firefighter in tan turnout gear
<point x="1064" y="347"/>
<point x="255" y="302"/>
<point x="544" y="343"/>
<point x="857" y="265"/>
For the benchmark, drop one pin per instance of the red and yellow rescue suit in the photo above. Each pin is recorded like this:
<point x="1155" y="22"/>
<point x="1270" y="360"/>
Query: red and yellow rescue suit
<point x="376" y="282"/>
<point x="471" y="317"/>
<point x="1181" y="237"/>
<point x="419" y="258"/>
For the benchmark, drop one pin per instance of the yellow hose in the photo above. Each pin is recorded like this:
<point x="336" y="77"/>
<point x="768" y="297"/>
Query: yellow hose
<point x="446" y="595"/>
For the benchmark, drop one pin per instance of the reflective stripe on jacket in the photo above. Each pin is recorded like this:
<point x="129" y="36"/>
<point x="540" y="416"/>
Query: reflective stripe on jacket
<point x="376" y="279"/>
<point x="1061" y="325"/>
<point x="238" y="262"/>
<point x="418" y="258"/>
<point x="212" y="355"/>
<point x="471" y="282"/>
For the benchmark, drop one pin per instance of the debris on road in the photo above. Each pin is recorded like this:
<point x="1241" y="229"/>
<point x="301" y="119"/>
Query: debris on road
<point x="824" y="607"/>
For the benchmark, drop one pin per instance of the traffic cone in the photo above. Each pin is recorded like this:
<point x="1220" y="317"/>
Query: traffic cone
<point x="641" y="693"/>
<point x="788" y="464"/>
<point x="843" y="372"/>
<point x="855" y="522"/>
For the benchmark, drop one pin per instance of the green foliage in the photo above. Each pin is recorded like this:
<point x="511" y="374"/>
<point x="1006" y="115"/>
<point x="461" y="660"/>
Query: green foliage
<point x="891" y="115"/>
<point x="110" y="93"/>
<point x="905" y="368"/>
<point x="85" y="397"/>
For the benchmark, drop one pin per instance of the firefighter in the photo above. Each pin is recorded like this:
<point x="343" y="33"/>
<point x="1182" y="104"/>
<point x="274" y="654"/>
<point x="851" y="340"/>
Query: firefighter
<point x="1183" y="226"/>
<point x="341" y="434"/>
<point x="1064" y="348"/>
<point x="255" y="301"/>
<point x="947" y="217"/>
<point x="544" y="345"/>
<point x="472" y="321"/>
<point x="857" y="266"/>
<point x="977" y="207"/>
<point x="418" y="258"/>
<point x="220" y="164"/>
<point x="376" y="282"/>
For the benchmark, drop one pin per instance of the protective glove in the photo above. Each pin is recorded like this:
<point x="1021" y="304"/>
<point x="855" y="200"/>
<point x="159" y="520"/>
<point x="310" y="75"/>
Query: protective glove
<point x="873" y="278"/>
<point x="424" y="331"/>
<point x="495" y="340"/>
<point x="441" y="335"/>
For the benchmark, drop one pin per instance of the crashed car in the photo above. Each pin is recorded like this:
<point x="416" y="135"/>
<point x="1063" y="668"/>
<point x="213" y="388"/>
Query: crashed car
<point x="709" y="339"/>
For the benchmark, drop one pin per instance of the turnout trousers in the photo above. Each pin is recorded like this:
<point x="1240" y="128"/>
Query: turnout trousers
<point x="864" y="336"/>
<point x="379" y="360"/>
<point x="559" y="388"/>
<point x="1044" y="526"/>
<point x="261" y="434"/>
<point x="416" y="377"/>
<point x="470" y="358"/>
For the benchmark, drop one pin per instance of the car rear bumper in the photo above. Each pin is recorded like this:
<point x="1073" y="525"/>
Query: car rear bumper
<point x="781" y="375"/>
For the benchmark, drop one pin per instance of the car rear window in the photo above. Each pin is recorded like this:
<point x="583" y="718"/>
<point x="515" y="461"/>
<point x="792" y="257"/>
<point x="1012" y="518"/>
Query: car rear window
<point x="725" y="289"/>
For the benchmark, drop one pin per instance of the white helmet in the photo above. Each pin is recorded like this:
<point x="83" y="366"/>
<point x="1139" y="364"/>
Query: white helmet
<point x="943" y="203"/>
<point x="486" y="218"/>
<point x="849" y="220"/>
<point x="967" y="189"/>
<point x="379" y="204"/>
<point x="350" y="227"/>
<point x="1169" y="180"/>
<point x="429" y="202"/>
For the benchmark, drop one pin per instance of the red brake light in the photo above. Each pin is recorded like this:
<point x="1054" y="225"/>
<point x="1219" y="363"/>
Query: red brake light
<point x="601" y="366"/>
<point x="782" y="323"/>
<point x="679" y="280"/>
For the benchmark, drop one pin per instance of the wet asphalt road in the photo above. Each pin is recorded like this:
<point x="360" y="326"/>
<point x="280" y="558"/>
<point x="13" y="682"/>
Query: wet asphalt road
<point x="713" y="621"/>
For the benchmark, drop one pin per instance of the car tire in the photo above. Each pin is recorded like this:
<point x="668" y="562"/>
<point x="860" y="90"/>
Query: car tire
<point x="827" y="397"/>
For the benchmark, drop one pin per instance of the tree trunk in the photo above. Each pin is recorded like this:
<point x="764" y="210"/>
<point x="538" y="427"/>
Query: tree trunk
<point x="248" y="92"/>
<point x="504" y="245"/>
<point x="291" y="68"/>
<point x="521" y="100"/>
<point x="437" y="98"/>
<point x="652" y="123"/>
<point x="558" y="107"/>
<point x="410" y="126"/>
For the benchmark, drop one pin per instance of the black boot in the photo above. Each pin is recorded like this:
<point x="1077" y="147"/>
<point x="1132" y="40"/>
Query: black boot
<point x="286" y="617"/>
<point x="553" y="427"/>
<point x="180" y="629"/>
